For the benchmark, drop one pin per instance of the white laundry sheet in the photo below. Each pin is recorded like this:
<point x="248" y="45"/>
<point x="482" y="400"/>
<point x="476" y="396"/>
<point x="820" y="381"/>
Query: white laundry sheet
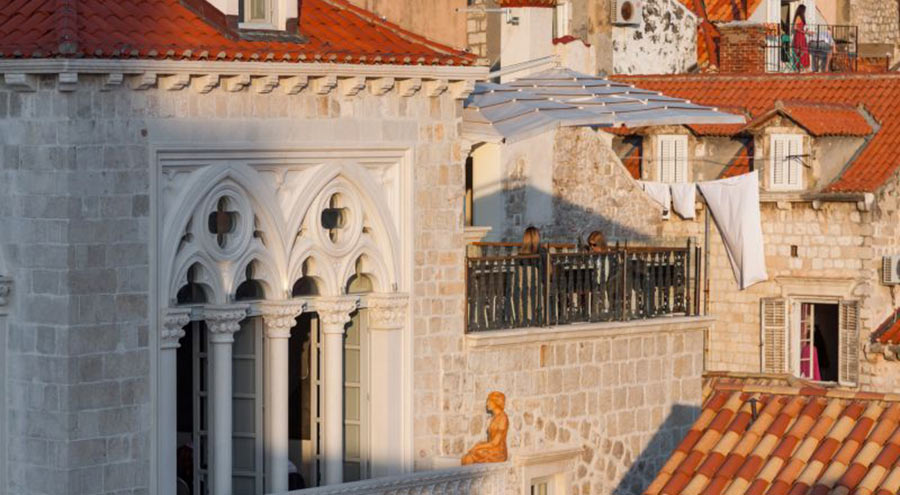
<point x="734" y="204"/>
<point x="659" y="192"/>
<point x="684" y="197"/>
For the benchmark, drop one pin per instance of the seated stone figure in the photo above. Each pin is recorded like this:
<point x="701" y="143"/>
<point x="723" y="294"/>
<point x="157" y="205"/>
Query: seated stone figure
<point x="494" y="450"/>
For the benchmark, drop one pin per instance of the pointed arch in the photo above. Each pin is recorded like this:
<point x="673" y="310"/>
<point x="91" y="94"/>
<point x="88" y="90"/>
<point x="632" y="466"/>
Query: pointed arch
<point x="383" y="235"/>
<point x="204" y="276"/>
<point x="235" y="180"/>
<point x="373" y="267"/>
<point x="273" y="281"/>
<point x="315" y="263"/>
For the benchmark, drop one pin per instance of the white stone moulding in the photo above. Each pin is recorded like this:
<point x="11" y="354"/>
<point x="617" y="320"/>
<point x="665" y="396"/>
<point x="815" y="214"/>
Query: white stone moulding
<point x="488" y="478"/>
<point x="205" y="76"/>
<point x="582" y="331"/>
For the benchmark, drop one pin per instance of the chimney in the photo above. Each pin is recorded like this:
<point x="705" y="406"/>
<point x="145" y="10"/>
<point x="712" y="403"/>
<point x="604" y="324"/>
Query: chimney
<point x="742" y="48"/>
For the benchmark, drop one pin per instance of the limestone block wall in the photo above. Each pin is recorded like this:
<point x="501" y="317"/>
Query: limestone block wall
<point x="580" y="187"/>
<point x="75" y="226"/>
<point x="626" y="395"/>
<point x="877" y="20"/>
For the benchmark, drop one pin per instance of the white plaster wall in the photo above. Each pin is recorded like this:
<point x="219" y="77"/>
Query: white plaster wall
<point x="530" y="39"/>
<point x="664" y="43"/>
<point x="487" y="189"/>
<point x="576" y="56"/>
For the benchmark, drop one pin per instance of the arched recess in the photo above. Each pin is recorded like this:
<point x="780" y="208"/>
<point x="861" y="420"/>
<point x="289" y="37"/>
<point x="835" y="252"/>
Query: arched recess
<point x="196" y="283"/>
<point x="314" y="264"/>
<point x="262" y="271"/>
<point x="372" y="218"/>
<point x="188" y="228"/>
<point x="366" y="261"/>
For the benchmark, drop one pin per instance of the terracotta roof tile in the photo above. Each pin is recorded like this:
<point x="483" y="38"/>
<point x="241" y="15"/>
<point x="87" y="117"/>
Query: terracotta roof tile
<point x="807" y="439"/>
<point x="334" y="31"/>
<point x="879" y="94"/>
<point x="889" y="330"/>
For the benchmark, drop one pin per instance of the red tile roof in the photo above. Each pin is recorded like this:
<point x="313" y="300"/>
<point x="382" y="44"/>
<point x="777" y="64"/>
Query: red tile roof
<point x="820" y="119"/>
<point x="335" y="31"/>
<point x="889" y="330"/>
<point x="878" y="93"/>
<point x="786" y="437"/>
<point x="740" y="163"/>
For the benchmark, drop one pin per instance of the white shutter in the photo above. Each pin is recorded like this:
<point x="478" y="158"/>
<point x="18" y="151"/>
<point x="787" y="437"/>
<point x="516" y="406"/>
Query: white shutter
<point x="773" y="322"/>
<point x="848" y="341"/>
<point x="672" y="158"/>
<point x="786" y="161"/>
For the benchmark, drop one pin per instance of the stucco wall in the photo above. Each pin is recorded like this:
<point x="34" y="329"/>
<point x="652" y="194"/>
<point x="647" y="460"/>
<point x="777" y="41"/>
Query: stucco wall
<point x="420" y="17"/>
<point x="75" y="213"/>
<point x="664" y="43"/>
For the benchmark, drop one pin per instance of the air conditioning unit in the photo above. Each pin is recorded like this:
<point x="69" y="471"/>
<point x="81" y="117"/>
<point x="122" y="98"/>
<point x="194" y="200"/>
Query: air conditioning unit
<point x="890" y="270"/>
<point x="628" y="12"/>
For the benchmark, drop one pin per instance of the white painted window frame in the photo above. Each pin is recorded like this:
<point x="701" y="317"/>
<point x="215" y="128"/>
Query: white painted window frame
<point x="562" y="15"/>
<point x="792" y="168"/>
<point x="268" y="23"/>
<point x="794" y="341"/>
<point x="678" y="143"/>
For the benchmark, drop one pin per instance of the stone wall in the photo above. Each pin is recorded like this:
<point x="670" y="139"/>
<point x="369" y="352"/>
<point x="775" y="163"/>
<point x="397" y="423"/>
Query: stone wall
<point x="626" y="393"/>
<point x="877" y="20"/>
<point x="664" y="43"/>
<point x="419" y="17"/>
<point x="75" y="213"/>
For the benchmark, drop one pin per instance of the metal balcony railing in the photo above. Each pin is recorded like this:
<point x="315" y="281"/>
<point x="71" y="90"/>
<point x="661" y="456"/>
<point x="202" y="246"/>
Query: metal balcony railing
<point x="558" y="285"/>
<point x="819" y="48"/>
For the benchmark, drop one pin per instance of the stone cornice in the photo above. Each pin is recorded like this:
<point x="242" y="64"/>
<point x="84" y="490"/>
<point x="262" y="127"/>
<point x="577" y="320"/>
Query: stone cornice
<point x="387" y="311"/>
<point x="280" y="317"/>
<point x="264" y="77"/>
<point x="223" y="322"/>
<point x="334" y="312"/>
<point x="172" y="322"/>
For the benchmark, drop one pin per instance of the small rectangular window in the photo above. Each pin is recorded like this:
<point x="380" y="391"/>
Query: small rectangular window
<point x="786" y="162"/>
<point x="542" y="486"/>
<point x="258" y="11"/>
<point x="672" y="158"/>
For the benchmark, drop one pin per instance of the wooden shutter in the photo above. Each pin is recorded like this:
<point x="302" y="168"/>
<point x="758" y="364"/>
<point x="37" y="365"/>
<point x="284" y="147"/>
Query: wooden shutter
<point x="848" y="341"/>
<point x="672" y="157"/>
<point x="786" y="161"/>
<point x="777" y="162"/>
<point x="773" y="320"/>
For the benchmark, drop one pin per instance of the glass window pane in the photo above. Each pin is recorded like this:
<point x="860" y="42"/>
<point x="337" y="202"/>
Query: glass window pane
<point x="351" y="365"/>
<point x="245" y="338"/>
<point x="244" y="416"/>
<point x="257" y="10"/>
<point x="351" y="403"/>
<point x="351" y="441"/>
<point x="243" y="485"/>
<point x="352" y="472"/>
<point x="244" y="451"/>
<point x="244" y="375"/>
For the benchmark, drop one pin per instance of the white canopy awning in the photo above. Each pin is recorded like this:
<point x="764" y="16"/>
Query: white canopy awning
<point x="565" y="98"/>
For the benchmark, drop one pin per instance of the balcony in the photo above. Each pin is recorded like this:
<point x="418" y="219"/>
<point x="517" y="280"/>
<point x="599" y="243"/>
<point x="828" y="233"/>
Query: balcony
<point x="829" y="48"/>
<point x="508" y="287"/>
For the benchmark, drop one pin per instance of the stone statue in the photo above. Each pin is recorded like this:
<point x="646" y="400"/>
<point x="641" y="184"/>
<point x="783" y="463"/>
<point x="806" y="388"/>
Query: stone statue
<point x="494" y="450"/>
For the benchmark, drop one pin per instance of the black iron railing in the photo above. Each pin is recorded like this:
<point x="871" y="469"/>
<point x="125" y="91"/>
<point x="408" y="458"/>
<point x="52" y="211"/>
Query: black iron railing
<point x="820" y="48"/>
<point x="557" y="285"/>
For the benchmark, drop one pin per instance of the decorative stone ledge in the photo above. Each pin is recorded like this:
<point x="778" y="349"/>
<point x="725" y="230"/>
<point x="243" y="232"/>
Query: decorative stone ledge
<point x="478" y="478"/>
<point x="263" y="77"/>
<point x="580" y="331"/>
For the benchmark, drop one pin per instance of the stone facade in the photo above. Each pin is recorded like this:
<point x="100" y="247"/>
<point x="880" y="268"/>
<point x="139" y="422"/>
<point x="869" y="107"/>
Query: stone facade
<point x="76" y="208"/>
<point x="877" y="20"/>
<point x="626" y="393"/>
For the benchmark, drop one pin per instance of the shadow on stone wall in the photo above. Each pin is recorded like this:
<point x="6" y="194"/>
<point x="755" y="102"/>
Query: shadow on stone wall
<point x="645" y="468"/>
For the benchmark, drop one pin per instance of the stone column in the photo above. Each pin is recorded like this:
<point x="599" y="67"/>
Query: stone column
<point x="171" y="330"/>
<point x="222" y="323"/>
<point x="280" y="318"/>
<point x="334" y="314"/>
<point x="387" y="318"/>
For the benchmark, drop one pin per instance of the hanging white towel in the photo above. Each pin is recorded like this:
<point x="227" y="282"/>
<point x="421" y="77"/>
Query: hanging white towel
<point x="684" y="197"/>
<point x="734" y="204"/>
<point x="659" y="192"/>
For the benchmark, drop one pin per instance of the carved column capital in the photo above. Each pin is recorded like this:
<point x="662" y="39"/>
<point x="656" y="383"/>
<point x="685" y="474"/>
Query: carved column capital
<point x="334" y="312"/>
<point x="223" y="322"/>
<point x="387" y="311"/>
<point x="172" y="322"/>
<point x="280" y="317"/>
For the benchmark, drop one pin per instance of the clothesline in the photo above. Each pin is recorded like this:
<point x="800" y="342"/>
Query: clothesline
<point x="734" y="205"/>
